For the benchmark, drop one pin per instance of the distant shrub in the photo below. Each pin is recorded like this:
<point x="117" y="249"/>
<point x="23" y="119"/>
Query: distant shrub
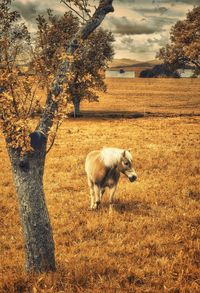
<point x="161" y="70"/>
<point x="121" y="70"/>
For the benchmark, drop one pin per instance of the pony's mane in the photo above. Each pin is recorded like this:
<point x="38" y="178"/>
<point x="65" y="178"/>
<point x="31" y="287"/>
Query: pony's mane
<point x="112" y="156"/>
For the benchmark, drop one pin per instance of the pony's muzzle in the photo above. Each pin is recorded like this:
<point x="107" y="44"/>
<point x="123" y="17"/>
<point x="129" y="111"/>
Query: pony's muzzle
<point x="132" y="178"/>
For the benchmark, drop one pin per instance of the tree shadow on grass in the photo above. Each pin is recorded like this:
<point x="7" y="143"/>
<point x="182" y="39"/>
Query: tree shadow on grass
<point x="102" y="114"/>
<point x="105" y="114"/>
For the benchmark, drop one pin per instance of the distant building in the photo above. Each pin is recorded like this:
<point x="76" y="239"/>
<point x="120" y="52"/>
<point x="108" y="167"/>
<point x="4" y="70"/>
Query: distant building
<point x="186" y="72"/>
<point x="121" y="73"/>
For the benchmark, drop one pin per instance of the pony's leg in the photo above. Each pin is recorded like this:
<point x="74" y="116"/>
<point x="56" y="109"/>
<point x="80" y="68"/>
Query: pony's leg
<point x="102" y="190"/>
<point x="92" y="193"/>
<point x="112" y="193"/>
<point x="97" y="192"/>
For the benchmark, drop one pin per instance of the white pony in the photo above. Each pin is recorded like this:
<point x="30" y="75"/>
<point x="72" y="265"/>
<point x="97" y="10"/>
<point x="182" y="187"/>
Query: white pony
<point x="103" y="169"/>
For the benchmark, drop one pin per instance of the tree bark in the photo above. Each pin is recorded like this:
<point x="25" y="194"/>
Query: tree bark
<point x="28" y="177"/>
<point x="76" y="103"/>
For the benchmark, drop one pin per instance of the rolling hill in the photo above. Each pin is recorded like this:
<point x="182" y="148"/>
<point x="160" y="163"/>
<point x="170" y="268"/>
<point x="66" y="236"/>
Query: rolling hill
<point x="130" y="63"/>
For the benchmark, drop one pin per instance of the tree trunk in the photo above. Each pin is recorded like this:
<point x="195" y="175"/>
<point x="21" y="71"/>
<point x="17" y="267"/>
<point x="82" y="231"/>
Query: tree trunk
<point x="39" y="245"/>
<point x="76" y="103"/>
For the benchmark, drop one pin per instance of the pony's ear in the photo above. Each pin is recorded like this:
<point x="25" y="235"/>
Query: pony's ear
<point x="124" y="153"/>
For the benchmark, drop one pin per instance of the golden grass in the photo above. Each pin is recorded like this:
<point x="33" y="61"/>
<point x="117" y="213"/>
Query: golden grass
<point x="172" y="96"/>
<point x="151" y="241"/>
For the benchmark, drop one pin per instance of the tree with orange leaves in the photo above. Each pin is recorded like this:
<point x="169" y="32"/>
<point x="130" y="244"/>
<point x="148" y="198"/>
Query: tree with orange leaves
<point x="27" y="147"/>
<point x="184" y="46"/>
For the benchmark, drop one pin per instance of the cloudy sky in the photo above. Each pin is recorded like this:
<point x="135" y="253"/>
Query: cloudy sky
<point x="140" y="27"/>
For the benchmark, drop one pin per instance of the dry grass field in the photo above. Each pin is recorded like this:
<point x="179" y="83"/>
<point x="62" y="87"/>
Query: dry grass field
<point x="151" y="241"/>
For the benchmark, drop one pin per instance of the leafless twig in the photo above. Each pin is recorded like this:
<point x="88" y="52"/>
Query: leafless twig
<point x="74" y="10"/>
<point x="54" y="137"/>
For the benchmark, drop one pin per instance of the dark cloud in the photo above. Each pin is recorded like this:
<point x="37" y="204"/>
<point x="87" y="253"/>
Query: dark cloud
<point x="160" y="21"/>
<point x="158" y="10"/>
<point x="150" y="25"/>
<point x="191" y="2"/>
<point x="28" y="10"/>
<point x="122" y="25"/>
<point x="132" y="46"/>
<point x="161" y="41"/>
<point x="150" y="45"/>
<point x="125" y="1"/>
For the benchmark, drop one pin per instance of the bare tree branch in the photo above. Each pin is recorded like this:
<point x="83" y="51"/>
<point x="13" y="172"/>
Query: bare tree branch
<point x="197" y="64"/>
<point x="74" y="10"/>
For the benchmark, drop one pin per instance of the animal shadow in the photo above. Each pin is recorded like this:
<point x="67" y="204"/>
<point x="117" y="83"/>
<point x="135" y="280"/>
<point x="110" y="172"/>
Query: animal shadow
<point x="136" y="207"/>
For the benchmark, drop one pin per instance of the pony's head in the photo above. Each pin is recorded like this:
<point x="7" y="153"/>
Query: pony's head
<point x="120" y="159"/>
<point x="126" y="165"/>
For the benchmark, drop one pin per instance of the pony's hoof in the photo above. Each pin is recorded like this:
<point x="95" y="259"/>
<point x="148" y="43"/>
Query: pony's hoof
<point x="93" y="209"/>
<point x="97" y="204"/>
<point x="111" y="208"/>
<point x="90" y="209"/>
